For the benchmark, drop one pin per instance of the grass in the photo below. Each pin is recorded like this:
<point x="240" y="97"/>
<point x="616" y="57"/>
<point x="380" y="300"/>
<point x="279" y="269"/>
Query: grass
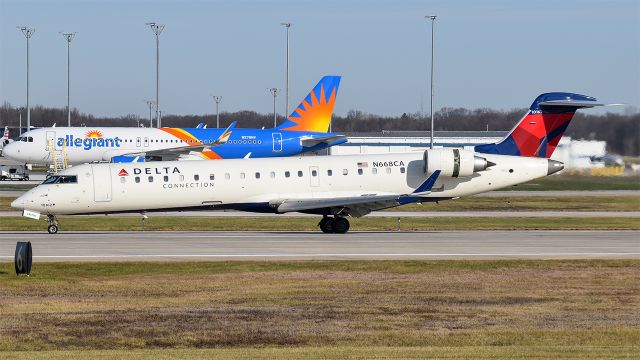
<point x="531" y="203"/>
<point x="275" y="223"/>
<point x="522" y="203"/>
<point x="577" y="182"/>
<point x="345" y="352"/>
<point x="323" y="309"/>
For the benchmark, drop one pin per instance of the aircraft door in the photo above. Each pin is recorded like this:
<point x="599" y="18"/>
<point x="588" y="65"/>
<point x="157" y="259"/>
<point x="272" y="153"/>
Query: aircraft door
<point x="101" y="183"/>
<point x="277" y="142"/>
<point x="138" y="142"/>
<point x="314" y="175"/>
<point x="51" y="138"/>
<point x="146" y="142"/>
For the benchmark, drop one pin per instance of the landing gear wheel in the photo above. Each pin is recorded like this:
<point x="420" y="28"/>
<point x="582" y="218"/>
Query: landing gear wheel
<point x="52" y="229"/>
<point x="53" y="224"/>
<point x="326" y="225"/>
<point x="340" y="225"/>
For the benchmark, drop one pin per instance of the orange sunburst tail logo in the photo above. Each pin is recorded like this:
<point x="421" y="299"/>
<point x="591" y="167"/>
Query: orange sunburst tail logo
<point x="315" y="110"/>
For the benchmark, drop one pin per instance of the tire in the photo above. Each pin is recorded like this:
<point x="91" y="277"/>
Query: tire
<point x="52" y="229"/>
<point x="326" y="225"/>
<point x="340" y="225"/>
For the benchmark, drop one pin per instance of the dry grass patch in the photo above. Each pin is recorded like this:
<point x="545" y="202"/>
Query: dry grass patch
<point x="321" y="304"/>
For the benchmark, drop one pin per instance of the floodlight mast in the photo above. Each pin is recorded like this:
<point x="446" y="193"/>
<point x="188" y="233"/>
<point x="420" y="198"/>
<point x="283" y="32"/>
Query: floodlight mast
<point x="286" y="109"/>
<point x="217" y="99"/>
<point x="274" y="92"/>
<point x="433" y="21"/>
<point x="28" y="32"/>
<point x="68" y="37"/>
<point x="151" y="104"/>
<point x="157" y="29"/>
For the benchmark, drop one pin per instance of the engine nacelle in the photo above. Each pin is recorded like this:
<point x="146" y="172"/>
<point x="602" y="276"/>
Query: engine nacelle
<point x="454" y="162"/>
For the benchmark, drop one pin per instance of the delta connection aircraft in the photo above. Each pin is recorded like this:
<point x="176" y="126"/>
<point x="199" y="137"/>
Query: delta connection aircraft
<point x="332" y="186"/>
<point x="304" y="130"/>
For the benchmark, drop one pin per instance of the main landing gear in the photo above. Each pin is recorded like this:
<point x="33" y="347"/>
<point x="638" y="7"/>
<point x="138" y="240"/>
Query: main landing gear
<point x="335" y="225"/>
<point x="53" y="224"/>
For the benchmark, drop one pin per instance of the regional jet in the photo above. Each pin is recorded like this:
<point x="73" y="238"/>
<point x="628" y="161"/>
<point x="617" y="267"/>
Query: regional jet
<point x="335" y="187"/>
<point x="303" y="131"/>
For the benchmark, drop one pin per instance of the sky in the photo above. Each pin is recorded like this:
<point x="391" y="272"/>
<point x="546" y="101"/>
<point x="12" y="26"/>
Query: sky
<point x="494" y="53"/>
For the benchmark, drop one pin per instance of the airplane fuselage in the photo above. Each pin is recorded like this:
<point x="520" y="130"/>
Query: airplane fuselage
<point x="261" y="184"/>
<point x="82" y="145"/>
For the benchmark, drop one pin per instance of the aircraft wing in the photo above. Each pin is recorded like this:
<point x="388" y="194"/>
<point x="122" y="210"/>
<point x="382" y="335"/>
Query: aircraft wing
<point x="310" y="142"/>
<point x="357" y="206"/>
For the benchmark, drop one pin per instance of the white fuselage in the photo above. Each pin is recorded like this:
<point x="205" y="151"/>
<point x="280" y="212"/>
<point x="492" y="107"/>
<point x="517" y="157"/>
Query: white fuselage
<point x="253" y="184"/>
<point x="82" y="145"/>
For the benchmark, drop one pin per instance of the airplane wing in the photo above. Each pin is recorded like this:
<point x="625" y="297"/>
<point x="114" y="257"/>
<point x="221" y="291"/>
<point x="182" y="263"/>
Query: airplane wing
<point x="174" y="153"/>
<point x="357" y="206"/>
<point x="313" y="141"/>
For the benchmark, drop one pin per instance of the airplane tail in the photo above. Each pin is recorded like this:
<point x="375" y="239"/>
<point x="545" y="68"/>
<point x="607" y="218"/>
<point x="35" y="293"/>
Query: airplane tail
<point x="5" y="136"/>
<point x="314" y="112"/>
<point x="539" y="131"/>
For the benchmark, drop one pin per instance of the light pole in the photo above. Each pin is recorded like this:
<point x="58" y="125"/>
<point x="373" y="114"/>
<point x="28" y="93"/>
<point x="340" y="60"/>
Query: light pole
<point x="150" y="103"/>
<point x="274" y="92"/>
<point x="433" y="21"/>
<point x="68" y="37"/>
<point x="20" y="108"/>
<point x="28" y="32"/>
<point x="217" y="99"/>
<point x="157" y="29"/>
<point x="286" y="108"/>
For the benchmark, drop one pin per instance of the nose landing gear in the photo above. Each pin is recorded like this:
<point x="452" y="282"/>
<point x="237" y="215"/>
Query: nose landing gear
<point x="53" y="224"/>
<point x="335" y="225"/>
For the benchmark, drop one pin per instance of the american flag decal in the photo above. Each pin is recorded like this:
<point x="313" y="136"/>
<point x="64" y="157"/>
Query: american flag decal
<point x="363" y="164"/>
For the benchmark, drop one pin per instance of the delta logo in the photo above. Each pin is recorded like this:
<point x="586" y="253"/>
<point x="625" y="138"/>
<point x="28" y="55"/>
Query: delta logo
<point x="123" y="172"/>
<point x="91" y="139"/>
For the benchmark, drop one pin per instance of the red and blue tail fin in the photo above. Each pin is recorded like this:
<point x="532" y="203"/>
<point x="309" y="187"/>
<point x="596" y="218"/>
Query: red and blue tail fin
<point x="540" y="130"/>
<point x="314" y="112"/>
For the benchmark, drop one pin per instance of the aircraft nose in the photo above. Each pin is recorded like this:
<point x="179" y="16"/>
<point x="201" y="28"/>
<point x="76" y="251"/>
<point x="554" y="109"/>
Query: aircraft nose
<point x="18" y="203"/>
<point x="9" y="151"/>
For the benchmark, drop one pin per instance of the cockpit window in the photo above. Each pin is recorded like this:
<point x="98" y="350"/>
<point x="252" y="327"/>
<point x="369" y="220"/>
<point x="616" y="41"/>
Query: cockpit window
<point x="61" y="179"/>
<point x="25" y="139"/>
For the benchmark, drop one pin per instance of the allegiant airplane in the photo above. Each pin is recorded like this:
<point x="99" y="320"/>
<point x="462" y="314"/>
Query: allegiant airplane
<point x="303" y="131"/>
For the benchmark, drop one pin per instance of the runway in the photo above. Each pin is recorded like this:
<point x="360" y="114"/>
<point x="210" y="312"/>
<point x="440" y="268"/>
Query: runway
<point x="190" y="246"/>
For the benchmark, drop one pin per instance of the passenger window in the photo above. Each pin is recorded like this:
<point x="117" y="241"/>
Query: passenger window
<point x="388" y="170"/>
<point x="329" y="172"/>
<point x="227" y="176"/>
<point x="287" y="174"/>
<point x="181" y="177"/>
<point x="166" y="178"/>
<point x="150" y="179"/>
<point x="345" y="172"/>
<point x="402" y="170"/>
<point x="241" y="175"/>
<point x="257" y="175"/>
<point x="360" y="172"/>
<point x="123" y="179"/>
<point x="196" y="177"/>
<point x="212" y="177"/>
<point x="137" y="179"/>
<point x="374" y="171"/>
<point x="314" y="173"/>
<point x="273" y="174"/>
<point x="299" y="173"/>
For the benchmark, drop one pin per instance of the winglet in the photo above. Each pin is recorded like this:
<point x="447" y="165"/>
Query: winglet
<point x="427" y="185"/>
<point x="225" y="134"/>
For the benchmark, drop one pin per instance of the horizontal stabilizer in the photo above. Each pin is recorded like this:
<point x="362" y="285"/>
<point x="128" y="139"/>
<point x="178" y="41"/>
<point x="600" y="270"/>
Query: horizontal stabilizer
<point x="328" y="140"/>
